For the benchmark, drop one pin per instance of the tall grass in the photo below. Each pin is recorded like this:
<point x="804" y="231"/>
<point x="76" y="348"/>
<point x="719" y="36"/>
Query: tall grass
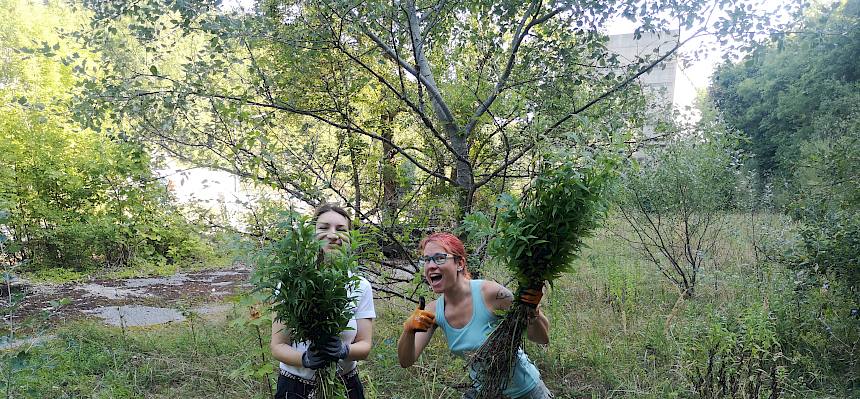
<point x="609" y="338"/>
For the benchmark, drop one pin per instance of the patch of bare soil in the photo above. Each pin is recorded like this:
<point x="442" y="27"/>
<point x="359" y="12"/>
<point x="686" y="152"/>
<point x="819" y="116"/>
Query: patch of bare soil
<point x="200" y="289"/>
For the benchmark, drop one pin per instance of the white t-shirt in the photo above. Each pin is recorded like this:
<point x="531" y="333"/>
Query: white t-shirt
<point x="364" y="309"/>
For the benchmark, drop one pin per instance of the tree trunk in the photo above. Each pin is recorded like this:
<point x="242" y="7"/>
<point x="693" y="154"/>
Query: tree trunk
<point x="464" y="176"/>
<point x="356" y="180"/>
<point x="457" y="137"/>
<point x="390" y="196"/>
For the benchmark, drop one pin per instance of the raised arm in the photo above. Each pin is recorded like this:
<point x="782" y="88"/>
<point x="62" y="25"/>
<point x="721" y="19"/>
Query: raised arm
<point x="538" y="328"/>
<point x="413" y="341"/>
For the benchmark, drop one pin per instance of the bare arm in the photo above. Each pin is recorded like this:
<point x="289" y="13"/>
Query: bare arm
<point x="498" y="297"/>
<point x="360" y="347"/>
<point x="538" y="328"/>
<point x="281" y="348"/>
<point x="412" y="343"/>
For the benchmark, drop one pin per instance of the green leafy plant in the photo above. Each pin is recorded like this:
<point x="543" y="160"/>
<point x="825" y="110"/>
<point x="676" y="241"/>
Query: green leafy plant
<point x="257" y="318"/>
<point x="537" y="237"/>
<point x="736" y="356"/>
<point x="620" y="287"/>
<point x="309" y="288"/>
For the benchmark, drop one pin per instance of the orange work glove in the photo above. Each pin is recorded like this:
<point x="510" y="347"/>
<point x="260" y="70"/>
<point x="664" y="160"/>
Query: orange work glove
<point x="532" y="296"/>
<point x="420" y="320"/>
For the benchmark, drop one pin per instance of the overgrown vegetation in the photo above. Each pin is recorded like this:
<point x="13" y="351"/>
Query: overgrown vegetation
<point x="78" y="201"/>
<point x="414" y="116"/>
<point x="678" y="198"/>
<point x="798" y="101"/>
<point x="593" y="350"/>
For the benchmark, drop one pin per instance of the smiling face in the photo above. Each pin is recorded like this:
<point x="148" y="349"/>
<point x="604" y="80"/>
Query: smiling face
<point x="334" y="228"/>
<point x="443" y="276"/>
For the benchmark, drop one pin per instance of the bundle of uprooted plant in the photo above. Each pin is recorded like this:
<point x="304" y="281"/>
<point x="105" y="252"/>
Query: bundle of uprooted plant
<point x="537" y="237"/>
<point x="309" y="289"/>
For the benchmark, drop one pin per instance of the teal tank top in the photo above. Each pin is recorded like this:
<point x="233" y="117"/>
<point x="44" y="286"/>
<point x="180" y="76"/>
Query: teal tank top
<point x="463" y="341"/>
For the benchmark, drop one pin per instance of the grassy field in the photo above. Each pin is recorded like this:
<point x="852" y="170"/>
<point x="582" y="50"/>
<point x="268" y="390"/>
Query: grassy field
<point x="618" y="331"/>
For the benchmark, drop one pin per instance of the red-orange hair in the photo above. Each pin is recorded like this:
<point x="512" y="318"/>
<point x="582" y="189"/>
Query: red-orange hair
<point x="452" y="245"/>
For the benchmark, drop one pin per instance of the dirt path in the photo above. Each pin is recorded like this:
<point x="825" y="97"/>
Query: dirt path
<point x="131" y="302"/>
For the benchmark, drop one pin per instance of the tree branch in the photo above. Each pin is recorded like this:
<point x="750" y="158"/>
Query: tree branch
<point x="622" y="84"/>
<point x="315" y="114"/>
<point x="521" y="33"/>
<point x="430" y="85"/>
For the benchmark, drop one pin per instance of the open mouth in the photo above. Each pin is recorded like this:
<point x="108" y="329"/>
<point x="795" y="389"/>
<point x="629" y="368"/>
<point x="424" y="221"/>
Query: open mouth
<point x="435" y="278"/>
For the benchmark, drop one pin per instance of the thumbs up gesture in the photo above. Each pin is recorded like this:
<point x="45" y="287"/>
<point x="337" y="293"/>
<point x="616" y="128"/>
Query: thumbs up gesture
<point x="420" y="320"/>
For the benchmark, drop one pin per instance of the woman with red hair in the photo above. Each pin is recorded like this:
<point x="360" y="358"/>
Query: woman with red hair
<point x="465" y="311"/>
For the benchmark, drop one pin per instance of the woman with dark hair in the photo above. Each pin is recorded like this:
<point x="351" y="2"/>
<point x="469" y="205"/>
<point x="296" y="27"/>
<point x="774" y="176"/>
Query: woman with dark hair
<point x="300" y="360"/>
<point x="465" y="311"/>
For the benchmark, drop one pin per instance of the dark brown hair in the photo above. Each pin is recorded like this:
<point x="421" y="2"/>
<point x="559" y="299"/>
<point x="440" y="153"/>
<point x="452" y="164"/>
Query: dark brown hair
<point x="329" y="207"/>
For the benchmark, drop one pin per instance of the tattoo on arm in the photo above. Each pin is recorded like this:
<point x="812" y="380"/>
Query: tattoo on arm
<point x="503" y="293"/>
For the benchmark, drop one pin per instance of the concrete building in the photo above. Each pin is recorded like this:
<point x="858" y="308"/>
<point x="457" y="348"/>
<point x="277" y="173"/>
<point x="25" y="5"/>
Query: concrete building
<point x="659" y="83"/>
<point x="661" y="79"/>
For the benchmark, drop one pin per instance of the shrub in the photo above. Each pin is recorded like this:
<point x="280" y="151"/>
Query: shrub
<point x="676" y="202"/>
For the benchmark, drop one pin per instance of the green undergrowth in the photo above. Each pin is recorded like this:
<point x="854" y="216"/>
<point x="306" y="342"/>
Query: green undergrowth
<point x="618" y="330"/>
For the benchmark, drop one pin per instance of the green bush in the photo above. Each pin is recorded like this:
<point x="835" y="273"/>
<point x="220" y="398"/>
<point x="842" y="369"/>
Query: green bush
<point x="830" y="247"/>
<point x="83" y="202"/>
<point x="819" y="335"/>
<point x="77" y="199"/>
<point x="677" y="200"/>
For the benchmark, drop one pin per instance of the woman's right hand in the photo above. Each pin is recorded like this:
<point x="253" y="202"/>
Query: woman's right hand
<point x="420" y="320"/>
<point x="314" y="359"/>
<point x="410" y="345"/>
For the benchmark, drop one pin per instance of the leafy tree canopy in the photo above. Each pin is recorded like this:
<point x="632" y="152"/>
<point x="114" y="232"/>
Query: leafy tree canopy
<point x="793" y="91"/>
<point x="75" y="198"/>
<point x="323" y="98"/>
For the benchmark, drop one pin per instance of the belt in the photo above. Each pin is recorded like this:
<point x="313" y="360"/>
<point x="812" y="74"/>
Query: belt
<point x="306" y="381"/>
<point x="292" y="376"/>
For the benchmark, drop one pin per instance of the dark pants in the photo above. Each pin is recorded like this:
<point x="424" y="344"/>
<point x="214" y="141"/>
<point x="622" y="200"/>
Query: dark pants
<point x="289" y="388"/>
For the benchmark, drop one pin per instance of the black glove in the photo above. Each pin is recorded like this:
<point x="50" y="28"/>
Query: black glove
<point x="334" y="348"/>
<point x="314" y="359"/>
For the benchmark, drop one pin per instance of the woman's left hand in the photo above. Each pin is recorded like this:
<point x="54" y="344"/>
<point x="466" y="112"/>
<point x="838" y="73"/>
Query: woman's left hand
<point x="532" y="296"/>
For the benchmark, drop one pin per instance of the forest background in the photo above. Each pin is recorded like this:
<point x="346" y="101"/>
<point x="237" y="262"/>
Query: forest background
<point x="727" y="266"/>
